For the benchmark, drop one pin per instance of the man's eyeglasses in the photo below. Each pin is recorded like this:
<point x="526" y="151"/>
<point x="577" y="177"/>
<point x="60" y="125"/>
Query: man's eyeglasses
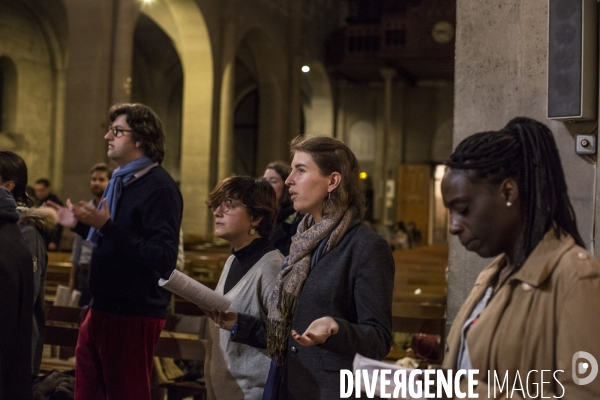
<point x="118" y="132"/>
<point x="226" y="206"/>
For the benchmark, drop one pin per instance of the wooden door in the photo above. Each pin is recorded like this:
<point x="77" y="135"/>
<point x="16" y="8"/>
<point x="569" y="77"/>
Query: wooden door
<point x="413" y="192"/>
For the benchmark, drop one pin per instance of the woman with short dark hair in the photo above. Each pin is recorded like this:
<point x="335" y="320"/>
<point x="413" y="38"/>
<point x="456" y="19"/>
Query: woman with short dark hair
<point x="244" y="209"/>
<point x="333" y="296"/>
<point x="534" y="307"/>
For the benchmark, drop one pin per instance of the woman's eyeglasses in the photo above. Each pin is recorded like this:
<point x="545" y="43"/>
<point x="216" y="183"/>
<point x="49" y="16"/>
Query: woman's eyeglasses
<point x="226" y="206"/>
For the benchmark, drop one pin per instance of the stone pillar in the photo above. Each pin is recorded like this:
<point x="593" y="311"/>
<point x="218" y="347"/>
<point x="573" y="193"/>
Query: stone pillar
<point x="388" y="76"/>
<point x="501" y="73"/>
<point x="122" y="56"/>
<point x="57" y="156"/>
<point x="226" y="115"/>
<point x="87" y="91"/>
<point x="193" y="44"/>
<point x="340" y="110"/>
<point x="295" y="71"/>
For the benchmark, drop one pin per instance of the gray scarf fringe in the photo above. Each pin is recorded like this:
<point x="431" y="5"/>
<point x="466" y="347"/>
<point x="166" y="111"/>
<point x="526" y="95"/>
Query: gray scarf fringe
<point x="290" y="280"/>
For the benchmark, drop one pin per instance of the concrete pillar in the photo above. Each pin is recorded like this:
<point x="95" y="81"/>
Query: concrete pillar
<point x="226" y="115"/>
<point x="386" y="203"/>
<point x="122" y="56"/>
<point x="501" y="73"/>
<point x="87" y="91"/>
<point x="58" y="144"/>
<point x="340" y="110"/>
<point x="193" y="45"/>
<point x="295" y="71"/>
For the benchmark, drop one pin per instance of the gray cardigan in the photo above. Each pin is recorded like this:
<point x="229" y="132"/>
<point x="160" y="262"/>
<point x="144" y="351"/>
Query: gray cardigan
<point x="232" y="370"/>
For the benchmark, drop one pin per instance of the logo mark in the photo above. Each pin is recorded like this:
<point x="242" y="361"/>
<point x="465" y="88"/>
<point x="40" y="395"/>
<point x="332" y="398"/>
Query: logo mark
<point x="582" y="367"/>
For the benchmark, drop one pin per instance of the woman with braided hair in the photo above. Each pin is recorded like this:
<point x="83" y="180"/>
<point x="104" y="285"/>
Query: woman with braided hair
<point x="535" y="306"/>
<point x="333" y="296"/>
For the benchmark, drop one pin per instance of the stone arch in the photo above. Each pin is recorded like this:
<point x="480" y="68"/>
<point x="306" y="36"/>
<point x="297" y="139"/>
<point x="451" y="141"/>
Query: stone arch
<point x="317" y="103"/>
<point x="183" y="22"/>
<point x="33" y="37"/>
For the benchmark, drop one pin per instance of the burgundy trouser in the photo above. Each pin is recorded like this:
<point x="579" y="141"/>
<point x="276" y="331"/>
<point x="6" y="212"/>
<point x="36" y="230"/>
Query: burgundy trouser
<point x="114" y="356"/>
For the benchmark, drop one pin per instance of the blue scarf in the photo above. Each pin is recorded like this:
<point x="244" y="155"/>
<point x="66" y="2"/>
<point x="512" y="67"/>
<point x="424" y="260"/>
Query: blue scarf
<point x="120" y="177"/>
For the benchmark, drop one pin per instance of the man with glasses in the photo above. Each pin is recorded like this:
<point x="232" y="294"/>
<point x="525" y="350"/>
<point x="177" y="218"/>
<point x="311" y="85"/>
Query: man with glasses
<point x="135" y="235"/>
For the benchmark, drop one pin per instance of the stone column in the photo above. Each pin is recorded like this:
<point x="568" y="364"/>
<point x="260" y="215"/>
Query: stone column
<point x="192" y="42"/>
<point x="501" y="73"/>
<point x="388" y="76"/>
<point x="87" y="91"/>
<point x="295" y="71"/>
<point x="226" y="114"/>
<point x="122" y="55"/>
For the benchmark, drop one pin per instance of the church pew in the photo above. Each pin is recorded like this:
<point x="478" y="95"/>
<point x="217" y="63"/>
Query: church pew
<point x="421" y="274"/>
<point x="421" y="319"/>
<point x="178" y="340"/>
<point x="57" y="273"/>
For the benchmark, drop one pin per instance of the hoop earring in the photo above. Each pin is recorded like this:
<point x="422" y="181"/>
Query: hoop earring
<point x="252" y="231"/>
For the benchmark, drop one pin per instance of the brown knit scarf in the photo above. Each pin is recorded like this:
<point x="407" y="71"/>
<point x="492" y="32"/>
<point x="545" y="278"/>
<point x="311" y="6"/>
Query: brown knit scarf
<point x="288" y="286"/>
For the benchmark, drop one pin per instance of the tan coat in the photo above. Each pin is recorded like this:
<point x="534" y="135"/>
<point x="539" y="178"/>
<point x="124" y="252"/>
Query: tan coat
<point x="538" y="320"/>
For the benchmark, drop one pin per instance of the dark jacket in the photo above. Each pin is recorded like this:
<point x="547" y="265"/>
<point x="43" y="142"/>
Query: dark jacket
<point x="137" y="247"/>
<point x="35" y="224"/>
<point x="16" y="293"/>
<point x="285" y="227"/>
<point x="353" y="283"/>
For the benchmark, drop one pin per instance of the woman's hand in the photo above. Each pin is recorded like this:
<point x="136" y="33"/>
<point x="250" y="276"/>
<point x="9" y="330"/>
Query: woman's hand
<point x="223" y="319"/>
<point x="317" y="332"/>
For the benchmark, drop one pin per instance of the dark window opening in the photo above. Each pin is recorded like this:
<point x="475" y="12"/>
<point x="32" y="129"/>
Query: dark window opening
<point x="245" y="135"/>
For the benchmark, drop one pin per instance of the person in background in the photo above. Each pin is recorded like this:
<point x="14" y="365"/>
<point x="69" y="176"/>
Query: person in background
<point x="82" y="249"/>
<point x="43" y="193"/>
<point x="333" y="296"/>
<point x="287" y="218"/>
<point x="534" y="307"/>
<point x="35" y="224"/>
<point x="244" y="209"/>
<point x="16" y="292"/>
